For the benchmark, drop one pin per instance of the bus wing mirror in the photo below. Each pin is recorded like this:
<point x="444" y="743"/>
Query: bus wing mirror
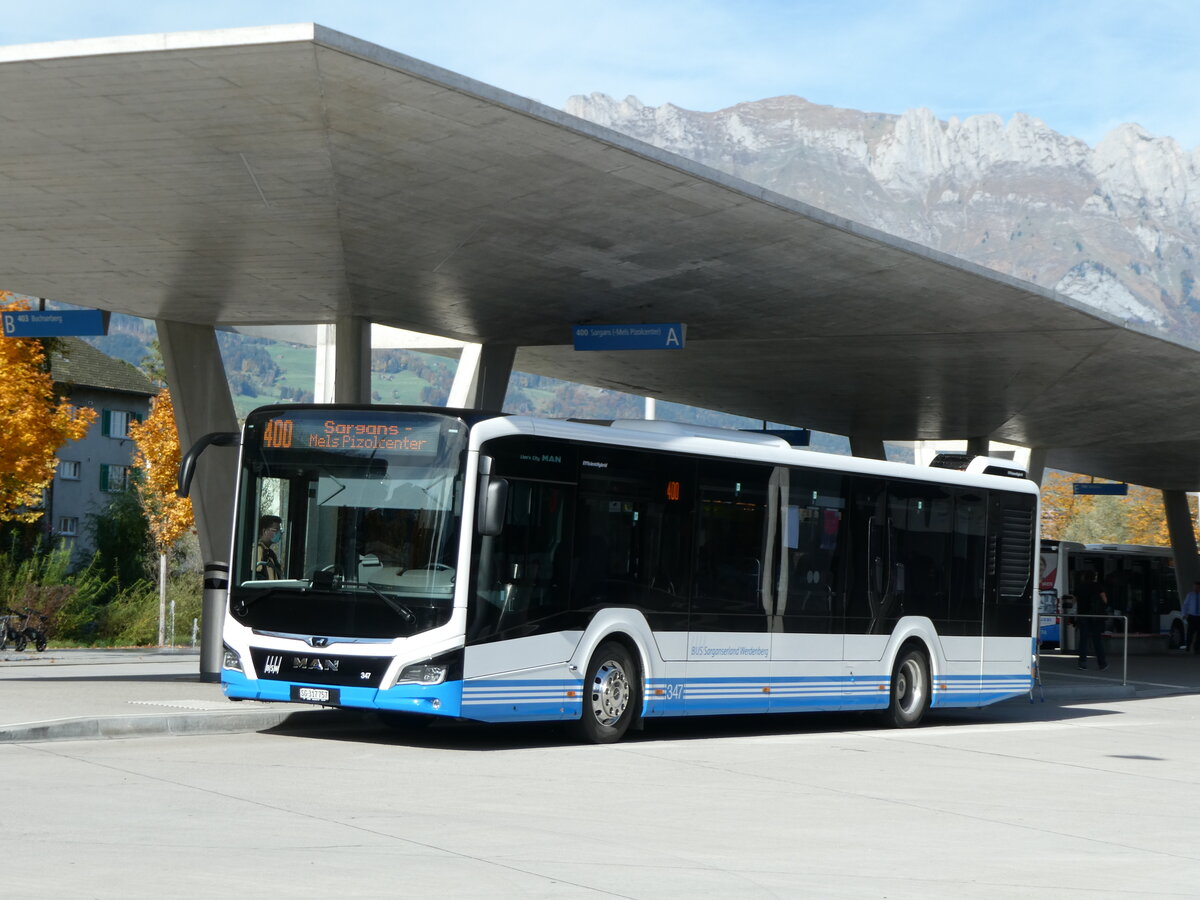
<point x="187" y="465"/>
<point x="493" y="502"/>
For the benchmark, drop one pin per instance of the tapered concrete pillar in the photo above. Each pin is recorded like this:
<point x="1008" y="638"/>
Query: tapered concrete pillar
<point x="482" y="379"/>
<point x="1037" y="465"/>
<point x="352" y="360"/>
<point x="867" y="448"/>
<point x="200" y="391"/>
<point x="979" y="446"/>
<point x="1183" y="540"/>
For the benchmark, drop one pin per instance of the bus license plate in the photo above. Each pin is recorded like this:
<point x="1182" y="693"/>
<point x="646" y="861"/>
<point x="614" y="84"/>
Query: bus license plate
<point x="315" y="695"/>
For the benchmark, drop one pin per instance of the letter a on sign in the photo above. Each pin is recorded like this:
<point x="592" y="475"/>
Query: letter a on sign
<point x="673" y="337"/>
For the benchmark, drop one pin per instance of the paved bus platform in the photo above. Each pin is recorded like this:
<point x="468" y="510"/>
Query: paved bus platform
<point x="75" y="694"/>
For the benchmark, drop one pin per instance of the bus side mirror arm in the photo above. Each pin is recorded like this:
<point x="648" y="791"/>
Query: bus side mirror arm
<point x="187" y="465"/>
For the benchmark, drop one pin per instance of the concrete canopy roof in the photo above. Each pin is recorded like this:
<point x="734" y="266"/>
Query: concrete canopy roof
<point x="294" y="174"/>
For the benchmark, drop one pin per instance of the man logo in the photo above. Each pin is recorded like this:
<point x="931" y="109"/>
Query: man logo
<point x="274" y="663"/>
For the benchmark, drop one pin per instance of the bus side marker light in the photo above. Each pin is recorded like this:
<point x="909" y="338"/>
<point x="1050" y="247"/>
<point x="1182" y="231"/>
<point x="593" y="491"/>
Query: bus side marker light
<point x="570" y="694"/>
<point x="766" y="690"/>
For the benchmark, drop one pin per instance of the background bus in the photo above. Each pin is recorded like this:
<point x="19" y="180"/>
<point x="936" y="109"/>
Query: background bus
<point x="1139" y="582"/>
<point x="503" y="568"/>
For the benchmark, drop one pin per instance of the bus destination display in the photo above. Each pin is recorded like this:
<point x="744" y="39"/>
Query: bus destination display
<point x="344" y="433"/>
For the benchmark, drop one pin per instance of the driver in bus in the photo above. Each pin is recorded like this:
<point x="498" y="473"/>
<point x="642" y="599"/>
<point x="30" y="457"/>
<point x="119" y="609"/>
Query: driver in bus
<point x="270" y="533"/>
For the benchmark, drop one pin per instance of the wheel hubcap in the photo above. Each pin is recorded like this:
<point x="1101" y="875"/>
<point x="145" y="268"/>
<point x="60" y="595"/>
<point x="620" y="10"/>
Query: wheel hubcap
<point x="610" y="693"/>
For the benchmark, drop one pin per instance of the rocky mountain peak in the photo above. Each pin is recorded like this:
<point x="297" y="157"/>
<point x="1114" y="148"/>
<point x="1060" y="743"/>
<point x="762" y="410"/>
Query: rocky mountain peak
<point x="1116" y="226"/>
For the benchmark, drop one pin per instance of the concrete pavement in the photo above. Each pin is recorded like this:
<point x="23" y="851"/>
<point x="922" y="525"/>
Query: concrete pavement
<point x="74" y="694"/>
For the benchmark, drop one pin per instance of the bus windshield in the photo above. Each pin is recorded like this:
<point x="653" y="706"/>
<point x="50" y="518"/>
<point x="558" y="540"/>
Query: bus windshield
<point x="348" y="522"/>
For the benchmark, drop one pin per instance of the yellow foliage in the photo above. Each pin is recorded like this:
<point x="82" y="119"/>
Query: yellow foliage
<point x="1137" y="518"/>
<point x="35" y="423"/>
<point x="158" y="456"/>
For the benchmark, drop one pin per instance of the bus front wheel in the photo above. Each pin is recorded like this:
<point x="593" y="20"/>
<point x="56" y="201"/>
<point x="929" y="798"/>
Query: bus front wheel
<point x="610" y="695"/>
<point x="909" y="698"/>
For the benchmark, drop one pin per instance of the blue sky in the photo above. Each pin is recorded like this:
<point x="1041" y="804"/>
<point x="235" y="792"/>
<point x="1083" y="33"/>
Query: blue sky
<point x="1082" y="67"/>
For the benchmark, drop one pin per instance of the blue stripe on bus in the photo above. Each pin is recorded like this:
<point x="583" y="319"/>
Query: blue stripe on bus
<point x="496" y="700"/>
<point x="521" y="699"/>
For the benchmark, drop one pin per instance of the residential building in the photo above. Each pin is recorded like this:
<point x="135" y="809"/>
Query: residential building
<point x="92" y="470"/>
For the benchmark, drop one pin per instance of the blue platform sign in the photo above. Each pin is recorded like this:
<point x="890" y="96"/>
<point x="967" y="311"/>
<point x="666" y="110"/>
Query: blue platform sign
<point x="1112" y="490"/>
<point x="629" y="337"/>
<point x="26" y="323"/>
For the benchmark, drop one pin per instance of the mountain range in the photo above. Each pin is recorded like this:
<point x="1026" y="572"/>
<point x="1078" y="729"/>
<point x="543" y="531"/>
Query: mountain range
<point x="1115" y="226"/>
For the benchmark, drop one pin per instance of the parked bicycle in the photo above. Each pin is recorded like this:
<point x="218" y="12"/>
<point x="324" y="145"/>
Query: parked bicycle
<point x="23" y="628"/>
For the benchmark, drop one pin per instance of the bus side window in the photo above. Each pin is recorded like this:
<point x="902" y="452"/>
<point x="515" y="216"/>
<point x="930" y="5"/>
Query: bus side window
<point x="521" y="567"/>
<point x="731" y="551"/>
<point x="814" y="600"/>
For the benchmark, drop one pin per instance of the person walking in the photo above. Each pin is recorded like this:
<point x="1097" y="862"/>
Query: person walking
<point x="1091" y="604"/>
<point x="1191" y="615"/>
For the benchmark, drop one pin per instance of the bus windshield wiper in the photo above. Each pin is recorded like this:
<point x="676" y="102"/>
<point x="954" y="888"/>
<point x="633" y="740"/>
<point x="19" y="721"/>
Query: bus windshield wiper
<point x="397" y="607"/>
<point x="247" y="599"/>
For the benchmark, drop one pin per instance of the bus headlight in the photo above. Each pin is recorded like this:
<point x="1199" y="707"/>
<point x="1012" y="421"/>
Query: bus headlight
<point x="232" y="659"/>
<point x="424" y="673"/>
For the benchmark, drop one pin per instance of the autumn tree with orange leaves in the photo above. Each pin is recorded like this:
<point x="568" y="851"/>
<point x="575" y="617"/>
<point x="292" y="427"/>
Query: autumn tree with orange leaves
<point x="1137" y="518"/>
<point x="157" y="458"/>
<point x="35" y="423"/>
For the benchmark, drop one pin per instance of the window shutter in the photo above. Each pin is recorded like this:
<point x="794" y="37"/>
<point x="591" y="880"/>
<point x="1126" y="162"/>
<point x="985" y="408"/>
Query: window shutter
<point x="103" y="477"/>
<point x="106" y="423"/>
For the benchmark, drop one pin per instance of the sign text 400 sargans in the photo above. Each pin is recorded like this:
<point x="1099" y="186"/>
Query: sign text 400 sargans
<point x="334" y="434"/>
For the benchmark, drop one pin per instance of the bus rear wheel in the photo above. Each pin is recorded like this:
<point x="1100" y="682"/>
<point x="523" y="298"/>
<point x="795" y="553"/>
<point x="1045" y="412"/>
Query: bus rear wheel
<point x="610" y="695"/>
<point x="909" y="698"/>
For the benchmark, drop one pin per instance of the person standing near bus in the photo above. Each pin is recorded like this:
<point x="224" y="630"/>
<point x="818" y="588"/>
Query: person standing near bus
<point x="270" y="532"/>
<point x="1191" y="614"/>
<point x="1090" y="605"/>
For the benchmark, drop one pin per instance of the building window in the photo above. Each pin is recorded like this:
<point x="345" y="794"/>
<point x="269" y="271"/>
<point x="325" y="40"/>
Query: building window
<point x="68" y="526"/>
<point x="114" y="479"/>
<point x="114" y="423"/>
<point x="68" y="469"/>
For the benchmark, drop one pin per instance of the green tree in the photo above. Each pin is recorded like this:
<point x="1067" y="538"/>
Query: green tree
<point x="121" y="536"/>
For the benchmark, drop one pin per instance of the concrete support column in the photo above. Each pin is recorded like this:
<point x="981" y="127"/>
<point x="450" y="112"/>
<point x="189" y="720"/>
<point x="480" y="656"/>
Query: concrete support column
<point x="482" y="379"/>
<point x="326" y="349"/>
<point x="200" y="391"/>
<point x="867" y="448"/>
<point x="1183" y="540"/>
<point x="1037" y="465"/>
<point x="979" y="446"/>
<point x="352" y="360"/>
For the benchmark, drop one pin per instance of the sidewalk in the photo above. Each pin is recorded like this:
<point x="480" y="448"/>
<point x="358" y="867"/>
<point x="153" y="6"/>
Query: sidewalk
<point x="82" y="694"/>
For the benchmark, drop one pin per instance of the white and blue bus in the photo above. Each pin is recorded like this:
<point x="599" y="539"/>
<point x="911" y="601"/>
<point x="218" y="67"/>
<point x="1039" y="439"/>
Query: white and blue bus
<point x="452" y="563"/>
<point x="1138" y="581"/>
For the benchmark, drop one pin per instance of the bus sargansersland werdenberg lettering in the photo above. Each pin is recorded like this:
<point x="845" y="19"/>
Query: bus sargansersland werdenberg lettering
<point x="457" y="564"/>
